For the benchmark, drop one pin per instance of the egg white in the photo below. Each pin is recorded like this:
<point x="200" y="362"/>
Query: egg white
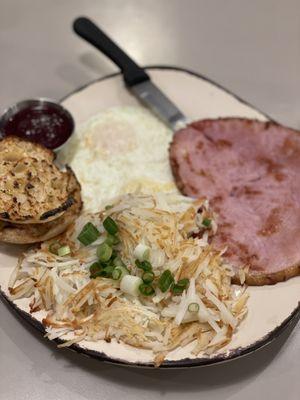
<point x="118" y="151"/>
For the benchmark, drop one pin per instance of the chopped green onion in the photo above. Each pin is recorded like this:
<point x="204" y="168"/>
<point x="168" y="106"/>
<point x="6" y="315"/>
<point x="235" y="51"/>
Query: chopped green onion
<point x="180" y="286"/>
<point x="89" y="234"/>
<point x="206" y="222"/>
<point x="165" y="281"/>
<point x="116" y="274"/>
<point x="110" y="226"/>
<point x="112" y="240"/>
<point x="193" y="307"/>
<point x="63" y="251"/>
<point x="144" y="265"/>
<point x="130" y="285"/>
<point x="103" y="270"/>
<point x="114" y="255"/>
<point x="183" y="283"/>
<point x="53" y="247"/>
<point x="146" y="290"/>
<point x="148" y="277"/>
<point x="118" y="262"/>
<point x="142" y="252"/>
<point x="107" y="271"/>
<point x="177" y="289"/>
<point x="96" y="275"/>
<point x="104" y="252"/>
<point x="108" y="206"/>
<point x="119" y="272"/>
<point x="95" y="269"/>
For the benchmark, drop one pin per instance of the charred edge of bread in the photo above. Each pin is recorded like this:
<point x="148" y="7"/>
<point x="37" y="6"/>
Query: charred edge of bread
<point x="46" y="215"/>
<point x="36" y="233"/>
<point x="4" y="215"/>
<point x="11" y="140"/>
<point x="63" y="207"/>
<point x="44" y="218"/>
<point x="264" y="278"/>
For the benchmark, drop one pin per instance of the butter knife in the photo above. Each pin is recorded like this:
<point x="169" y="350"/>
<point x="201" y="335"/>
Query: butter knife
<point x="136" y="78"/>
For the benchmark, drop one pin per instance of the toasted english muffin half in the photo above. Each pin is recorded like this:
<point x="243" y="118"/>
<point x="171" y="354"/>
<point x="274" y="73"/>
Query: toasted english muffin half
<point x="34" y="233"/>
<point x="32" y="191"/>
<point x="24" y="169"/>
<point x="13" y="148"/>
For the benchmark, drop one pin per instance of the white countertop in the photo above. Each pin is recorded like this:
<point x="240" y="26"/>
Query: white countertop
<point x="252" y="48"/>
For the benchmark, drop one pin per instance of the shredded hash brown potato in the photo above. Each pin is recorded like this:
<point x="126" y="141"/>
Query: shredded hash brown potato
<point x="172" y="227"/>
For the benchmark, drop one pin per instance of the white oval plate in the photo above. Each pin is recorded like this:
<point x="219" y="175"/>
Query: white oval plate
<point x="271" y="308"/>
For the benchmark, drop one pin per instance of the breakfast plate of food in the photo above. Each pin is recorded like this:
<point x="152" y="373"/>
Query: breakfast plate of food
<point x="142" y="247"/>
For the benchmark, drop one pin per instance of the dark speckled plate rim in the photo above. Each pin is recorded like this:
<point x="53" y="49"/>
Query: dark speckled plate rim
<point x="187" y="362"/>
<point x="183" y="363"/>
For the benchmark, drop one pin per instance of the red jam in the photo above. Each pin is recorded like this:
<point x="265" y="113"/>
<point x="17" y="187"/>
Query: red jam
<point x="44" y="122"/>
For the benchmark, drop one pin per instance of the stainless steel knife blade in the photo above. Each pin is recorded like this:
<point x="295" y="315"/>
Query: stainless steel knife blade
<point x="153" y="98"/>
<point x="136" y="78"/>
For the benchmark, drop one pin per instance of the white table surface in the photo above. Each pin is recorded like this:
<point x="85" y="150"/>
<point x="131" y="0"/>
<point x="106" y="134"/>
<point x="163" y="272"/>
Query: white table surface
<point x="250" y="47"/>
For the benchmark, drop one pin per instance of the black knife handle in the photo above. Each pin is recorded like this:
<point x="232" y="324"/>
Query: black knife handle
<point x="87" y="30"/>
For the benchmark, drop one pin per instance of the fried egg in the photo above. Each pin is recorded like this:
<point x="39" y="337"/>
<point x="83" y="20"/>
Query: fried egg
<point x="118" y="151"/>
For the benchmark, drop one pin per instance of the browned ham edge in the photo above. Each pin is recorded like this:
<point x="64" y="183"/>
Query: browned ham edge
<point x="250" y="172"/>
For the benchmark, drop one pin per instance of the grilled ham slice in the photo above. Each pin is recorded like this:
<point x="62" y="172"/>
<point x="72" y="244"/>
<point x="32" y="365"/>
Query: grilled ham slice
<point x="250" y="172"/>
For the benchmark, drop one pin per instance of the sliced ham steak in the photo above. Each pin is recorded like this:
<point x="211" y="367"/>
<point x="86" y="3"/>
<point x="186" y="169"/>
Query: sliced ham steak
<point x="250" y="172"/>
